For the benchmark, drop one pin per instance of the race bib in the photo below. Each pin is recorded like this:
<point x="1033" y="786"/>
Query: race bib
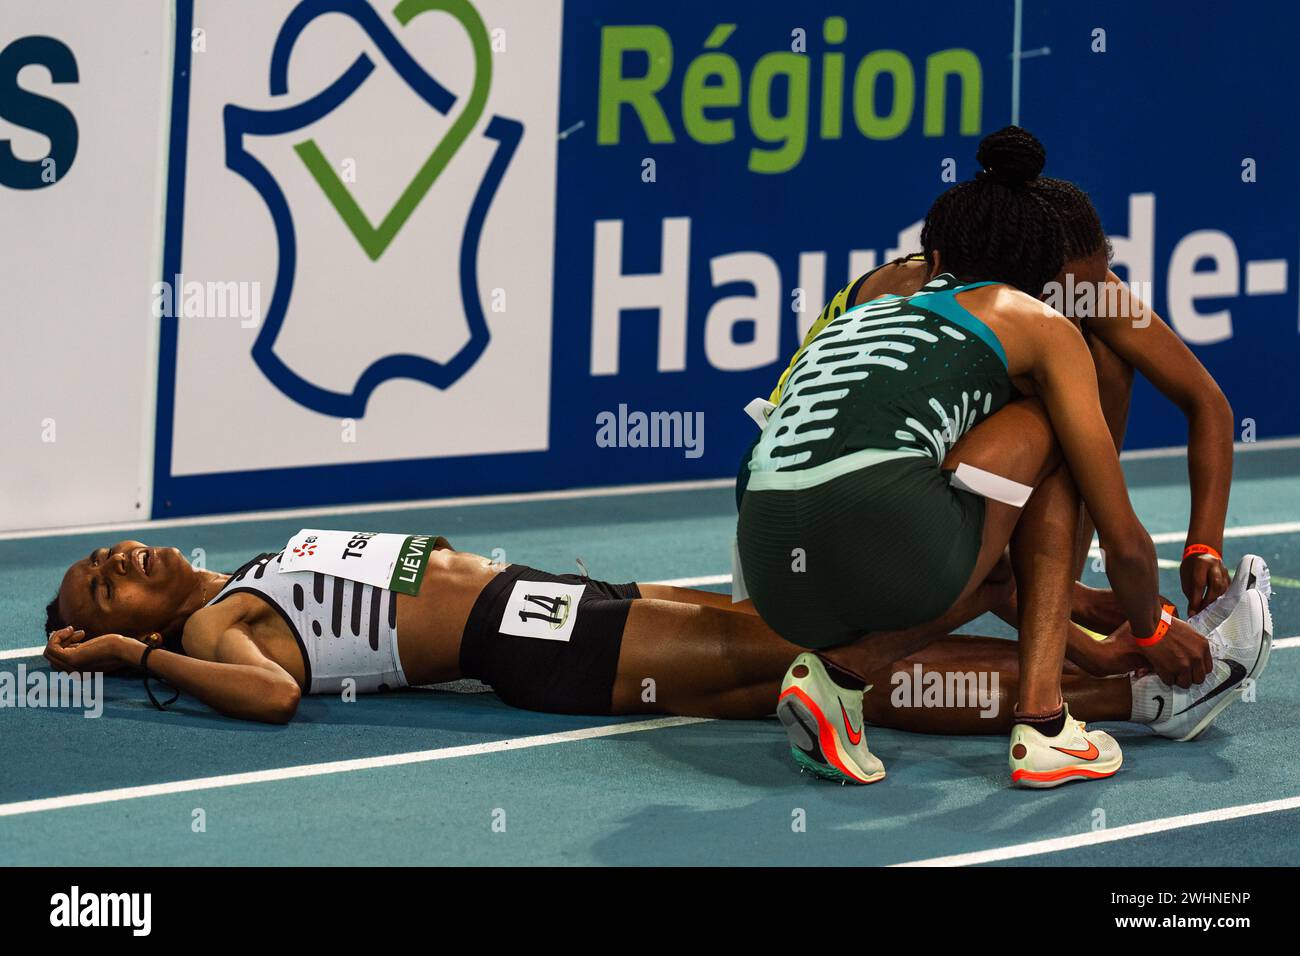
<point x="542" y="609"/>
<point x="759" y="410"/>
<point x="392" y="561"/>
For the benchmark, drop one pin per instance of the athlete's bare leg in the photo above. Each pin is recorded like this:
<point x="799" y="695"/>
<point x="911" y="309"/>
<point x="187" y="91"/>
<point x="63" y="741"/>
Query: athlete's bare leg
<point x="698" y="660"/>
<point x="987" y="659"/>
<point x="1042" y="554"/>
<point x="666" y="592"/>
<point x="702" y="661"/>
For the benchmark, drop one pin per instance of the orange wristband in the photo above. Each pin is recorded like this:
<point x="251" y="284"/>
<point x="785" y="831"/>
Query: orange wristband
<point x="1167" y="612"/>
<point x="1192" y="549"/>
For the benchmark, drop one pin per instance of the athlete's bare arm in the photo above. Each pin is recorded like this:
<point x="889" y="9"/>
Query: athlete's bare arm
<point x="1044" y="346"/>
<point x="1140" y="337"/>
<point x="221" y="666"/>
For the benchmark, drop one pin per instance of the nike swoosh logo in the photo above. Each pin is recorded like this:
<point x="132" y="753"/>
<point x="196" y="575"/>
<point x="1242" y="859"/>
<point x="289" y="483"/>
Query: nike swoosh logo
<point x="1092" y="753"/>
<point x="1160" y="710"/>
<point x="1236" y="674"/>
<point x="855" y="736"/>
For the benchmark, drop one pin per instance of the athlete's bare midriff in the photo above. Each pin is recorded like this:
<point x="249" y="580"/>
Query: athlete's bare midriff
<point x="429" y="624"/>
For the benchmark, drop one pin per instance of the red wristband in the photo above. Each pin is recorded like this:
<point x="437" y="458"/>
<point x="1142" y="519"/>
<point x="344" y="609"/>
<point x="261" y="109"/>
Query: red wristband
<point x="1192" y="549"/>
<point x="1167" y="612"/>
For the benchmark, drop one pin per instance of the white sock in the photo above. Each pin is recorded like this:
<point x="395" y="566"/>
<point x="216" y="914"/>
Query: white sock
<point x="1144" y="691"/>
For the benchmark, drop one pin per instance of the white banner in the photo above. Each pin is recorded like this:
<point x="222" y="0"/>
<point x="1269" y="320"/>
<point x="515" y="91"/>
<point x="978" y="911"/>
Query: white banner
<point x="378" y="186"/>
<point x="83" y="90"/>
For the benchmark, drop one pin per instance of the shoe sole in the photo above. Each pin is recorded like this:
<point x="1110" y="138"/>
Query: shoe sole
<point x="1046" y="779"/>
<point x="805" y="732"/>
<point x="1234" y="695"/>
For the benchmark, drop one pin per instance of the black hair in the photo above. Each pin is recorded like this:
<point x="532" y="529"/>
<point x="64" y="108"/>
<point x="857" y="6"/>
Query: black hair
<point x="53" y="619"/>
<point x="1080" y="224"/>
<point x="996" y="226"/>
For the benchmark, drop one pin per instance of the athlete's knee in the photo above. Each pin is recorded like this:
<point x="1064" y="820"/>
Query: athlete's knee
<point x="1036" y="451"/>
<point x="1035" y="431"/>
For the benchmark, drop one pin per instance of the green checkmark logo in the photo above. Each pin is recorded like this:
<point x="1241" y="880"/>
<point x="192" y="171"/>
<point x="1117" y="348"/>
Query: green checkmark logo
<point x="375" y="239"/>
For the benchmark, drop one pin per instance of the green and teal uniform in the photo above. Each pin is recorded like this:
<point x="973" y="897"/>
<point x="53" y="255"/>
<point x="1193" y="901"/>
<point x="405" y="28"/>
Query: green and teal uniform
<point x="840" y="303"/>
<point x="849" y="523"/>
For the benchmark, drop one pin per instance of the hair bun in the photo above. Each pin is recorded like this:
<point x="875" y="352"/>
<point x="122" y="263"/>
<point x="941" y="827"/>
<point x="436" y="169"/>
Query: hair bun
<point x="1011" y="156"/>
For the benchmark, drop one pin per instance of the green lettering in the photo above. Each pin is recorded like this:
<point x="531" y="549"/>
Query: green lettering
<point x="834" y="30"/>
<point x="789" y="130"/>
<point x="699" y="94"/>
<point x="617" y="90"/>
<point x="938" y="67"/>
<point x="899" y="67"/>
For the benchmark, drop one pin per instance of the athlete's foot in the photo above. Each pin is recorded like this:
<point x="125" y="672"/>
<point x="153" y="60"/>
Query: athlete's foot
<point x="1076" y="753"/>
<point x="1240" y="647"/>
<point x="1252" y="575"/>
<point x="823" y="722"/>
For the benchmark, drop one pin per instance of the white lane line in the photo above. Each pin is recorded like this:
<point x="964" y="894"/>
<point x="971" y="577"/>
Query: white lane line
<point x="1092" y="838"/>
<point x="1242" y="531"/>
<point x="425" y="756"/>
<point x="1180" y="451"/>
<point x="564" y="494"/>
<point x="694" y="582"/>
<point x="336" y="766"/>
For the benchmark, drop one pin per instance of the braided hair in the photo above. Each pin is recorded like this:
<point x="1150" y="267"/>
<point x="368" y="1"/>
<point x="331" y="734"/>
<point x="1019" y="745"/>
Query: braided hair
<point x="1080" y="223"/>
<point x="998" y="226"/>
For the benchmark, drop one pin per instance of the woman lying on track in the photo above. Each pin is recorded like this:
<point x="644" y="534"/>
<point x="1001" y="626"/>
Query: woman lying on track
<point x="249" y="644"/>
<point x="858" y="475"/>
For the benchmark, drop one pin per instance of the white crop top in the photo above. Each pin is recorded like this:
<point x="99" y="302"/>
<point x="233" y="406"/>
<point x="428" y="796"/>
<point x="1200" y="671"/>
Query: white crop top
<point x="344" y="629"/>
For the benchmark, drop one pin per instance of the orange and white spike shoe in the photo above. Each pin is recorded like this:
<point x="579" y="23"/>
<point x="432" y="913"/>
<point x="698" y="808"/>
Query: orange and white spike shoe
<point x="1076" y="753"/>
<point x="823" y="722"/>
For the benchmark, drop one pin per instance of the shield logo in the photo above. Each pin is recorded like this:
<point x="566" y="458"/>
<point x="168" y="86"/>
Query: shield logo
<point x="244" y="127"/>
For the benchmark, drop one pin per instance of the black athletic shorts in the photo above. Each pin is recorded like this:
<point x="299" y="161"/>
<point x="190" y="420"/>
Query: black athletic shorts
<point x="547" y="642"/>
<point x="882" y="548"/>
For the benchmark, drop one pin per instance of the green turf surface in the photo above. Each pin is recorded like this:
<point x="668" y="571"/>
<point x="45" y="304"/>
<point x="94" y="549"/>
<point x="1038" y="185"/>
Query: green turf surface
<point x="702" y="794"/>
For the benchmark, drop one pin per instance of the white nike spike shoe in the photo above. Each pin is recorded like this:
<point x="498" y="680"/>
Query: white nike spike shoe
<point x="1240" y="647"/>
<point x="1252" y="575"/>
<point x="1076" y="753"/>
<point x="823" y="722"/>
